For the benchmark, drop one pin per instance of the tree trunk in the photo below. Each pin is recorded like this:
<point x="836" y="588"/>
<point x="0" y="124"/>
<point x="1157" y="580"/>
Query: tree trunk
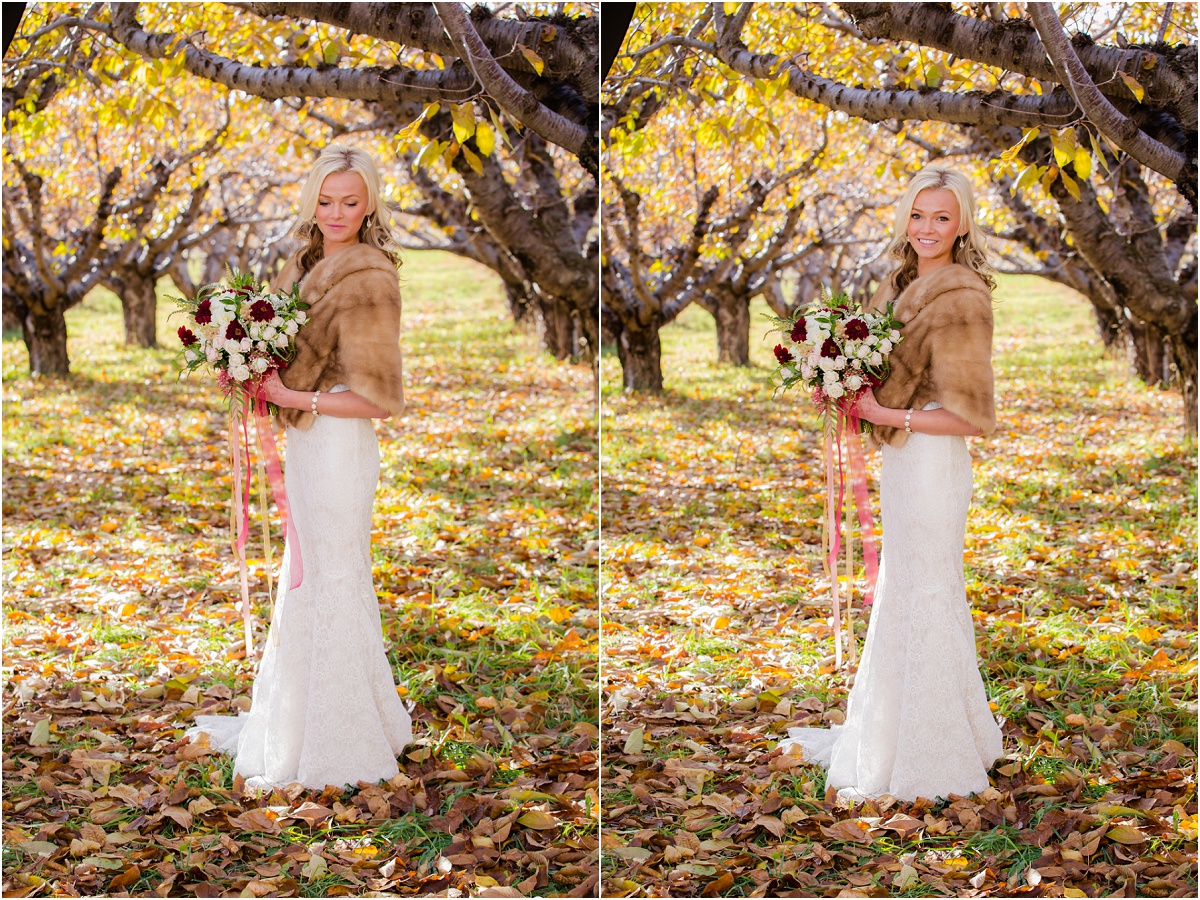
<point x="733" y="330"/>
<point x="45" y="333"/>
<point x="139" y="304"/>
<point x="1150" y="355"/>
<point x="557" y="328"/>
<point x="640" y="352"/>
<point x="1183" y="351"/>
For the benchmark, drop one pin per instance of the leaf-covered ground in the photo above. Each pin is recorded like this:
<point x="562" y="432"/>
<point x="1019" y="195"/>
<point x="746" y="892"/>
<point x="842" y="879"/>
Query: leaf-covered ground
<point x="1081" y="574"/>
<point x="120" y="626"/>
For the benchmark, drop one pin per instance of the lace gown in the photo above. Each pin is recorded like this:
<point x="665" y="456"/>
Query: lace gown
<point x="917" y="720"/>
<point x="325" y="708"/>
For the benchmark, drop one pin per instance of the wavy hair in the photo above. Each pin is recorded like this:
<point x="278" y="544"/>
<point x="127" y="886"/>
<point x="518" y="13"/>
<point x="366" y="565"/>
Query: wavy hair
<point x="970" y="249"/>
<point x="376" y="229"/>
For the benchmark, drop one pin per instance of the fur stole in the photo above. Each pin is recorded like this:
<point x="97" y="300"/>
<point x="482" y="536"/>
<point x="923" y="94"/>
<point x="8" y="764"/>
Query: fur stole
<point x="353" y="333"/>
<point x="946" y="354"/>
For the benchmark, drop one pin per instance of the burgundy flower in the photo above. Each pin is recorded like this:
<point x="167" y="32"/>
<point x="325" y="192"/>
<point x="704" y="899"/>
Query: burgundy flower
<point x="235" y="331"/>
<point x="800" y="331"/>
<point x="856" y="329"/>
<point x="872" y="381"/>
<point x="783" y="354"/>
<point x="262" y="311"/>
<point x="186" y="336"/>
<point x="204" y="313"/>
<point x="830" y="349"/>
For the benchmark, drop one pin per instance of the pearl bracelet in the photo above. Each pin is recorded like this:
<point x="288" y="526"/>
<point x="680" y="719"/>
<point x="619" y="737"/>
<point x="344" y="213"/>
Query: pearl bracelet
<point x="907" y="420"/>
<point x="314" y="403"/>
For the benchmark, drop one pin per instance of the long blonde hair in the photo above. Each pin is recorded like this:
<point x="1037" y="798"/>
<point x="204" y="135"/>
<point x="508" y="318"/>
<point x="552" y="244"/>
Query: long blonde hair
<point x="970" y="249"/>
<point x="376" y="229"/>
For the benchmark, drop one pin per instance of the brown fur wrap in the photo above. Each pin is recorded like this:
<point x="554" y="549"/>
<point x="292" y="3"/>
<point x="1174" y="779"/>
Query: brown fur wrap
<point x="946" y="353"/>
<point x="352" y="336"/>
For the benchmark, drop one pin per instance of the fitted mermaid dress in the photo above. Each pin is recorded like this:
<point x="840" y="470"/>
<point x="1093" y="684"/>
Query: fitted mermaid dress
<point x="325" y="709"/>
<point x="917" y="721"/>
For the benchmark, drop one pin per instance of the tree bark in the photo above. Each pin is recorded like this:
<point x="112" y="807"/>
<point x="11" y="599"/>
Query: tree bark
<point x="640" y="352"/>
<point x="45" y="333"/>
<point x="731" y="311"/>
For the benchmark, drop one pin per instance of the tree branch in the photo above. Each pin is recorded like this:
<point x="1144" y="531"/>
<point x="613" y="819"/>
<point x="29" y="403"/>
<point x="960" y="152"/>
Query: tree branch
<point x="391" y="85"/>
<point x="512" y="98"/>
<point x="1071" y="73"/>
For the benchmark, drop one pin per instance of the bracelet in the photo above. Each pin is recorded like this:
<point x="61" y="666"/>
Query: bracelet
<point x="314" y="403"/>
<point x="907" y="420"/>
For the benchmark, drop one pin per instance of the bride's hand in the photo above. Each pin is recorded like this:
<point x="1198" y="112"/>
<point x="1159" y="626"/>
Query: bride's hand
<point x="866" y="407"/>
<point x="273" y="388"/>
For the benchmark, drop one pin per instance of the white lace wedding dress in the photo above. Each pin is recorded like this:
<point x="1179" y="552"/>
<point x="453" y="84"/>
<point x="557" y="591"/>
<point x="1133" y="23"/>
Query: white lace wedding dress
<point x="325" y="709"/>
<point x="917" y="720"/>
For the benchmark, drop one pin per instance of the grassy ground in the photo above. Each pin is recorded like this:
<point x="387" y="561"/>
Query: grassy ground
<point x="120" y="623"/>
<point x="1081" y="573"/>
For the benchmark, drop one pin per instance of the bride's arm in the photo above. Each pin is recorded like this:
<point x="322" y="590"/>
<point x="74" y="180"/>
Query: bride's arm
<point x="925" y="421"/>
<point x="339" y="404"/>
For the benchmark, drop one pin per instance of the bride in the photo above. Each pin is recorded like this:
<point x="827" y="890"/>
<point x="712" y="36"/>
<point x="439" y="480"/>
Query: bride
<point x="325" y="710"/>
<point x="917" y="720"/>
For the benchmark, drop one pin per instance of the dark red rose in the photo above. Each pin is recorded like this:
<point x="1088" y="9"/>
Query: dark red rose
<point x="235" y="331"/>
<point x="186" y="336"/>
<point x="830" y="349"/>
<point x="203" y="313"/>
<point x="783" y="354"/>
<point x="262" y="311"/>
<point x="800" y="331"/>
<point x="873" y="381"/>
<point x="856" y="329"/>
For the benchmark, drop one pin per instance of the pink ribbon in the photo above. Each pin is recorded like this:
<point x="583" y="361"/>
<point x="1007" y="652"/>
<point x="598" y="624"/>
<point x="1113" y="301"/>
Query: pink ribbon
<point x="847" y="429"/>
<point x="240" y="512"/>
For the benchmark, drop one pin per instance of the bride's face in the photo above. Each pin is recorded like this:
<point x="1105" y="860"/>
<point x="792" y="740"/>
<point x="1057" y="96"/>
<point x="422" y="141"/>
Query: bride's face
<point x="341" y="208"/>
<point x="932" y="227"/>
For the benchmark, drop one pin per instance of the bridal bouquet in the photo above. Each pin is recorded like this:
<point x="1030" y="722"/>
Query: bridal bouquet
<point x="240" y="331"/>
<point x="836" y="351"/>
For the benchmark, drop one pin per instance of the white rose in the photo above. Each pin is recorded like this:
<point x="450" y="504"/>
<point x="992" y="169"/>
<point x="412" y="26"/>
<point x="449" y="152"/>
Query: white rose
<point x="807" y="371"/>
<point x="825" y="363"/>
<point x="876" y="359"/>
<point x="885" y="346"/>
<point x="839" y="363"/>
<point x="853" y="383"/>
<point x="262" y="345"/>
<point x="236" y="359"/>
<point x="212" y="354"/>
<point x="894" y="335"/>
<point x="260" y="364"/>
<point x="830" y="378"/>
<point x="863" y="351"/>
<point x="281" y="341"/>
<point x="292" y="328"/>
<point x="269" y="333"/>
<point x="189" y="355"/>
<point x="247" y="345"/>
<point x="277" y="322"/>
<point x="301" y="317"/>
<point x="834" y="391"/>
<point x="240" y="373"/>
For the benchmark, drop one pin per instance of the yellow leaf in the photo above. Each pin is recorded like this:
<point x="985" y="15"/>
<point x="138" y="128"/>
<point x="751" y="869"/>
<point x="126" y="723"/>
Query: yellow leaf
<point x="485" y="138"/>
<point x="538" y="820"/>
<point x="463" y="115"/>
<point x="1070" y="184"/>
<point x="635" y="743"/>
<point x="721" y="624"/>
<point x="1083" y="163"/>
<point x="534" y="60"/>
<point x="41" y="734"/>
<point x="1125" y="834"/>
<point x="472" y="159"/>
<point x="1148" y="635"/>
<point x="486" y="881"/>
<point x="1135" y="86"/>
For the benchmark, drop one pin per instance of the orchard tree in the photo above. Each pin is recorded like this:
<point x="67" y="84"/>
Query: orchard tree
<point x="1096" y="133"/>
